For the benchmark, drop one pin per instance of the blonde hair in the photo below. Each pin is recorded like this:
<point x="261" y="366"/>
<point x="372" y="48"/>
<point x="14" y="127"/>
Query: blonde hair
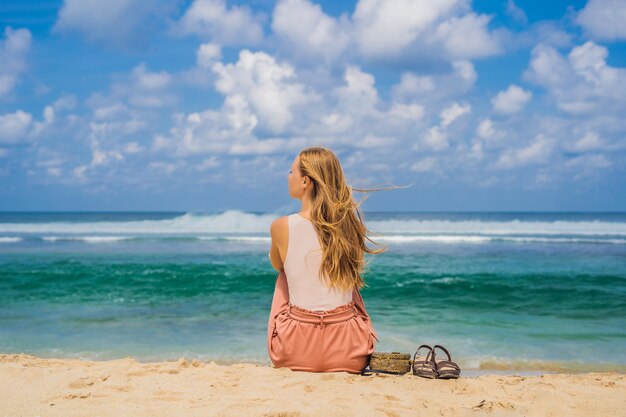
<point x="337" y="219"/>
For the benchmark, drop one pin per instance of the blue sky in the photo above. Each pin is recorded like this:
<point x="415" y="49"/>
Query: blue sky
<point x="203" y="104"/>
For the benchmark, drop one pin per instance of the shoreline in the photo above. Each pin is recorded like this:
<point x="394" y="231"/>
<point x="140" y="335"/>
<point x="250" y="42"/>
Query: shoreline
<point x="488" y="366"/>
<point x="76" y="387"/>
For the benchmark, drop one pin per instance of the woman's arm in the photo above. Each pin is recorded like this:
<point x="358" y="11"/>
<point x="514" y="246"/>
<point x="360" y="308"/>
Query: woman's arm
<point x="277" y="232"/>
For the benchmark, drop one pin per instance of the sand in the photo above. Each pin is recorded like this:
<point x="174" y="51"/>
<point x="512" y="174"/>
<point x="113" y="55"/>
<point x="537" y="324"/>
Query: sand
<point x="34" y="386"/>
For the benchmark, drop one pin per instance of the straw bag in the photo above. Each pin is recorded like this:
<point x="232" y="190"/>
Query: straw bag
<point x="396" y="363"/>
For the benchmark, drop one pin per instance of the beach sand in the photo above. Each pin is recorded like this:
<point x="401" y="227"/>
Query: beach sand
<point x="34" y="386"/>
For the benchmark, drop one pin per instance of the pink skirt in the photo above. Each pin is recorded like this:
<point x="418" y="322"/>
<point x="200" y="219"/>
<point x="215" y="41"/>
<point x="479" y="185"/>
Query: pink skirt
<point x="341" y="339"/>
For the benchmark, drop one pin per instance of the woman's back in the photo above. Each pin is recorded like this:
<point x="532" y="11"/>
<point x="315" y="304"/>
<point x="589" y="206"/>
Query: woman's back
<point x="302" y="266"/>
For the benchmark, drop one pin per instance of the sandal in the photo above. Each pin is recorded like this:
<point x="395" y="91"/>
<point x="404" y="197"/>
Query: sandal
<point x="446" y="369"/>
<point x="425" y="366"/>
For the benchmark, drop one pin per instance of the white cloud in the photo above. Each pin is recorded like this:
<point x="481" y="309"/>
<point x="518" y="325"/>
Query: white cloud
<point x="386" y="27"/>
<point x="99" y="132"/>
<point x="511" y="100"/>
<point x="132" y="148"/>
<point x="13" y="50"/>
<point x="516" y="12"/>
<point x="208" y="54"/>
<point x="165" y="166"/>
<point x="118" y="21"/>
<point x="407" y="111"/>
<point x="269" y="88"/>
<point x="591" y="141"/>
<point x="459" y="80"/>
<point x="588" y="162"/>
<point x="133" y="98"/>
<point x="359" y="95"/>
<point x="582" y="83"/>
<point x="450" y="114"/>
<point x="586" y="166"/>
<point x="604" y="19"/>
<point x="208" y="163"/>
<point x="424" y="165"/>
<point x="437" y="29"/>
<point x="467" y="37"/>
<point x="373" y="141"/>
<point x="435" y="139"/>
<point x="487" y="131"/>
<point x="308" y="31"/>
<point x="14" y="127"/>
<point x="212" y="19"/>
<point x="537" y="152"/>
<point x="210" y="131"/>
<point x="110" y="112"/>
<point x="146" y="80"/>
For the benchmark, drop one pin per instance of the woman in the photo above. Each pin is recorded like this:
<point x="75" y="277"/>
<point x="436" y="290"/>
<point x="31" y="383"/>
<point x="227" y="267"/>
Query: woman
<point x="318" y="321"/>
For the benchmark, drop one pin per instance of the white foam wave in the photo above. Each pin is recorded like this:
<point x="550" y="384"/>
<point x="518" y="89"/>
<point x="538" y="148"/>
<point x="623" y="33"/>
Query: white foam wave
<point x="88" y="239"/>
<point x="232" y="221"/>
<point x="9" y="239"/>
<point x="238" y="222"/>
<point x="439" y="238"/>
<point x="452" y="239"/>
<point x="499" y="228"/>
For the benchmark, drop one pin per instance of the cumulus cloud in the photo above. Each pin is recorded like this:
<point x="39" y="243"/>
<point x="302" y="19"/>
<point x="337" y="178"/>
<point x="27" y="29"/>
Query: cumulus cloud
<point x="382" y="30"/>
<point x="537" y="152"/>
<point x="208" y="54"/>
<point x="210" y="131"/>
<point x="511" y="100"/>
<point x="100" y="133"/>
<point x="589" y="142"/>
<point x="387" y="27"/>
<point x="14" y="127"/>
<point x="444" y="28"/>
<point x="268" y="87"/>
<point x="582" y="82"/>
<point x="359" y="94"/>
<point x="450" y="114"/>
<point x="133" y="98"/>
<point x="516" y="12"/>
<point x="467" y="37"/>
<point x="413" y="86"/>
<point x="214" y="20"/>
<point x="407" y="111"/>
<point x="424" y="165"/>
<point x="308" y="31"/>
<point x="486" y="130"/>
<point x="13" y="50"/>
<point x="122" y="22"/>
<point x="604" y="19"/>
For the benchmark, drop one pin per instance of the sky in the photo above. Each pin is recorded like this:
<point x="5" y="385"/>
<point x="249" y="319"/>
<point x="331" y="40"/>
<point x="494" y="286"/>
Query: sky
<point x="202" y="105"/>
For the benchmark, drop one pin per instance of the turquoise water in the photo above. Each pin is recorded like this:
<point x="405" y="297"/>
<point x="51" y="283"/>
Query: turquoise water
<point x="502" y="291"/>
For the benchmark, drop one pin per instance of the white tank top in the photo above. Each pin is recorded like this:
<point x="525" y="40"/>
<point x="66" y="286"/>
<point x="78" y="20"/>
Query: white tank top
<point x="304" y="256"/>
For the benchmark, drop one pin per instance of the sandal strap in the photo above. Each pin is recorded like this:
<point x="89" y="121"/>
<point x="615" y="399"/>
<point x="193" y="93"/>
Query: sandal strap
<point x="448" y="363"/>
<point x="424" y="365"/>
<point x="423" y="346"/>
<point x="444" y="349"/>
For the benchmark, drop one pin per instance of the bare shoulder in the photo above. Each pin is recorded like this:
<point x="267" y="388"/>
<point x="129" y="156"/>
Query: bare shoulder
<point x="280" y="226"/>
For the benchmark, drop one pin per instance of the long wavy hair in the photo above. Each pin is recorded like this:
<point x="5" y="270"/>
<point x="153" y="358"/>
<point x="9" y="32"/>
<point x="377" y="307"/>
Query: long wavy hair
<point x="337" y="220"/>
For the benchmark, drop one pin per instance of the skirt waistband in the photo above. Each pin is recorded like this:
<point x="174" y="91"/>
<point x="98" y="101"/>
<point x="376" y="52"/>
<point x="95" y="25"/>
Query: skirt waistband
<point x="336" y="315"/>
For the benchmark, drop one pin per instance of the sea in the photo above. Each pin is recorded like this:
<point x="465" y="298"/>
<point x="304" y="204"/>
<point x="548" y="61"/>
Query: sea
<point x="504" y="292"/>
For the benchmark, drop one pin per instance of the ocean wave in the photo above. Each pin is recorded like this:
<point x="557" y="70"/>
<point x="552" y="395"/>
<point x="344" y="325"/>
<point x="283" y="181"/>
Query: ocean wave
<point x="10" y="239"/>
<point x="88" y="239"/>
<point x="485" y="239"/>
<point x="395" y="239"/>
<point x="238" y="238"/>
<point x="398" y="230"/>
